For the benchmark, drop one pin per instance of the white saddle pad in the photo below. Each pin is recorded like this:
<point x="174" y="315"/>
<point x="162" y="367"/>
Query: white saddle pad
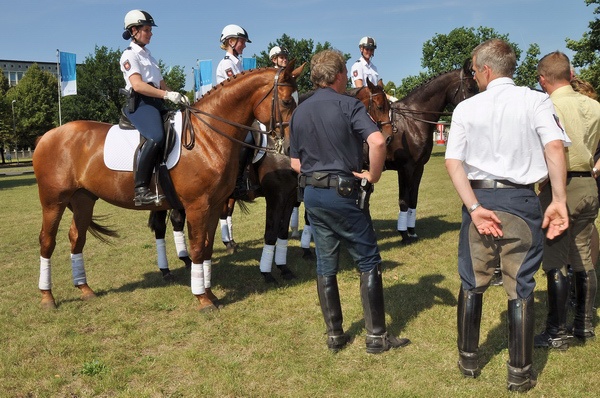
<point x="120" y="146"/>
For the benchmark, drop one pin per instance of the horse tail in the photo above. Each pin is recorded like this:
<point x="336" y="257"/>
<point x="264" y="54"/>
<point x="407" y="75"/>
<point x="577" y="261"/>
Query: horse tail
<point x="100" y="232"/>
<point x="243" y="206"/>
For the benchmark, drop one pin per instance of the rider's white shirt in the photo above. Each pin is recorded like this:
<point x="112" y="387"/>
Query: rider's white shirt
<point x="228" y="67"/>
<point x="363" y="71"/>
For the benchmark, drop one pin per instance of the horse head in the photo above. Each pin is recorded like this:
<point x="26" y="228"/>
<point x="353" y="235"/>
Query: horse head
<point x="465" y="87"/>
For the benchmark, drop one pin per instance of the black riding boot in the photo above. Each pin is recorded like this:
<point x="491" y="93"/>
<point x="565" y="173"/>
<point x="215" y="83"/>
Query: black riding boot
<point x="555" y="334"/>
<point x="469" y="322"/>
<point x="585" y="293"/>
<point x="329" y="298"/>
<point x="371" y="294"/>
<point x="143" y="174"/>
<point x="241" y="181"/>
<point x="520" y="344"/>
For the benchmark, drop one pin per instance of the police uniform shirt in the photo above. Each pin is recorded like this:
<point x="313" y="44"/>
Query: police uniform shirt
<point x="580" y="117"/>
<point x="327" y="133"/>
<point x="363" y="71"/>
<point x="228" y="67"/>
<point x="137" y="59"/>
<point x="500" y="133"/>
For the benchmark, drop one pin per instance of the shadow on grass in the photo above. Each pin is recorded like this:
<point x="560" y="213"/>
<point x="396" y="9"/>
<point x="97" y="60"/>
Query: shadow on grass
<point x="8" y="183"/>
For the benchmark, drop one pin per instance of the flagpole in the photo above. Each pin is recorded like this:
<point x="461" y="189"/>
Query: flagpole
<point x="58" y="76"/>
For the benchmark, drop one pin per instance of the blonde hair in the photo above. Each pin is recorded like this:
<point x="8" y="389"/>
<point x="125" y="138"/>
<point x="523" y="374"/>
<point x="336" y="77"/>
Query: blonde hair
<point x="584" y="87"/>
<point x="325" y="66"/>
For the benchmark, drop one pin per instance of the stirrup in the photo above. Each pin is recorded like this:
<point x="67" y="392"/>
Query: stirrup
<point x="144" y="197"/>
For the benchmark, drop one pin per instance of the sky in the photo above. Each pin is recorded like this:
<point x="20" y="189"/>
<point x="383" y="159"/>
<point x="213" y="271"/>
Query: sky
<point x="189" y="30"/>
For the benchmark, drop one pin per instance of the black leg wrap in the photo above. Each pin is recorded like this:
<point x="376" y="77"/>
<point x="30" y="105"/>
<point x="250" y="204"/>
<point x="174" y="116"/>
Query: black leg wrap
<point x="329" y="298"/>
<point x="586" y="285"/>
<point x="520" y="344"/>
<point x="469" y="321"/>
<point x="371" y="294"/>
<point x="555" y="334"/>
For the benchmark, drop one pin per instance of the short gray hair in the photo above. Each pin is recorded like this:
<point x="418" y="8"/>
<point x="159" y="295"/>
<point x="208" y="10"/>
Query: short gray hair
<point x="325" y="66"/>
<point x="498" y="55"/>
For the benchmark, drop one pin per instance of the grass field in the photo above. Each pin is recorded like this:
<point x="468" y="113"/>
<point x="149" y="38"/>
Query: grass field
<point x="143" y="337"/>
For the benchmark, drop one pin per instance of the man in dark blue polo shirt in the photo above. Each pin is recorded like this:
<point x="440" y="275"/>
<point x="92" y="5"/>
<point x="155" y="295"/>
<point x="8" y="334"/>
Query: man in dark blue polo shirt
<point x="327" y="135"/>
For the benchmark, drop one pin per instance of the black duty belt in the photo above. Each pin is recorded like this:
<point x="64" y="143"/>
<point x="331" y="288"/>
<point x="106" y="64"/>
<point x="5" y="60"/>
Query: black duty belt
<point x="571" y="174"/>
<point x="498" y="184"/>
<point x="328" y="181"/>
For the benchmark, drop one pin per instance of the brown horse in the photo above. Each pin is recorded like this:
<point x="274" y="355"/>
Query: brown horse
<point x="70" y="171"/>
<point x="278" y="184"/>
<point x="414" y="118"/>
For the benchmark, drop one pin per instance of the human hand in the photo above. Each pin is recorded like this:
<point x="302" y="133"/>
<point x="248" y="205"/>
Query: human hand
<point x="487" y="222"/>
<point x="176" y="98"/>
<point x="556" y="219"/>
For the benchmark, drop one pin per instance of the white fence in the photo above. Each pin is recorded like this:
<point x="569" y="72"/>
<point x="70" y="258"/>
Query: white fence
<point x="11" y="155"/>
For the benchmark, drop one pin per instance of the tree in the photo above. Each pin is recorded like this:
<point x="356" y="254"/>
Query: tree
<point x="444" y="53"/>
<point x="526" y="74"/>
<point x="587" y="50"/>
<point x="174" y="79"/>
<point x="99" y="79"/>
<point x="36" y="106"/>
<point x="300" y="50"/>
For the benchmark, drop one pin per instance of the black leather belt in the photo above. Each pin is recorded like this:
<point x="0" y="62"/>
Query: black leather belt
<point x="571" y="174"/>
<point x="498" y="184"/>
<point x="330" y="181"/>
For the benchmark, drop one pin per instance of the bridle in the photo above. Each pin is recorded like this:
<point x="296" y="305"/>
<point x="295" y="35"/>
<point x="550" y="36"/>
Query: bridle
<point x="373" y="105"/>
<point x="461" y="88"/>
<point x="275" y="123"/>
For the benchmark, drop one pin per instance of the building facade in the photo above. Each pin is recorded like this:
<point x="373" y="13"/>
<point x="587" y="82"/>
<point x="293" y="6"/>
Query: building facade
<point x="15" y="70"/>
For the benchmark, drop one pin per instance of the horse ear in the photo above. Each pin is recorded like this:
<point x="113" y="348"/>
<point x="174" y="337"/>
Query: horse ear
<point x="467" y="66"/>
<point x="298" y="71"/>
<point x="370" y="85"/>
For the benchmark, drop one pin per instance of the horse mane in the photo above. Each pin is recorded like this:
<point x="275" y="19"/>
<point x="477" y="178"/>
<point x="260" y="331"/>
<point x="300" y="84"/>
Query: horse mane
<point x="226" y="82"/>
<point x="428" y="81"/>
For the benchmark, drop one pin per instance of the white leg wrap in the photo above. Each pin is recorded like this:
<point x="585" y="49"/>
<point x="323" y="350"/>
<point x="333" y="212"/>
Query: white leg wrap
<point x="225" y="237"/>
<point x="207" y="266"/>
<point x="294" y="219"/>
<point x="161" y="254"/>
<point x="412" y="218"/>
<point x="45" y="282"/>
<point x="197" y="279"/>
<point x="266" y="259"/>
<point x="78" y="269"/>
<point x="306" y="237"/>
<point x="402" y="220"/>
<point x="230" y="227"/>
<point x="281" y="248"/>
<point x="180" y="244"/>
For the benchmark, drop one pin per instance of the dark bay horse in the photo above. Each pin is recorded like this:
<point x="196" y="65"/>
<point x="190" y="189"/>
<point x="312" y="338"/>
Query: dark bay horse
<point x="414" y="118"/>
<point x="70" y="171"/>
<point x="278" y="184"/>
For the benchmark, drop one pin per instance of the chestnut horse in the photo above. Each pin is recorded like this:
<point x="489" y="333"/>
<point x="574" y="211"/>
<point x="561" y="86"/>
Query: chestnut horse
<point x="414" y="118"/>
<point x="70" y="171"/>
<point x="278" y="184"/>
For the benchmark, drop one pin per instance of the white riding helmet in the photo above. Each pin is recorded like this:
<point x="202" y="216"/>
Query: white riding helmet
<point x="275" y="51"/>
<point x="367" y="42"/>
<point x="230" y="31"/>
<point x="138" y="18"/>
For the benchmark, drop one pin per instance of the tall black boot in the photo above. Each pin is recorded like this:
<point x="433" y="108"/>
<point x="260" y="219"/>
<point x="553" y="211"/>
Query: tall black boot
<point x="469" y="322"/>
<point x="242" y="182"/>
<point x="586" y="285"/>
<point x="520" y="344"/>
<point x="371" y="294"/>
<point x="555" y="334"/>
<point x="143" y="174"/>
<point x="329" y="298"/>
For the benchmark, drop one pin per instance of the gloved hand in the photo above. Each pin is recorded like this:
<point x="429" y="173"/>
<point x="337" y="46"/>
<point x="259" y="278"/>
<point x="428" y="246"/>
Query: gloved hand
<point x="176" y="98"/>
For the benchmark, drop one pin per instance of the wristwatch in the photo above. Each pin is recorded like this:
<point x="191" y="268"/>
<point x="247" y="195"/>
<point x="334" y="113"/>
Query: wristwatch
<point x="473" y="207"/>
<point x="595" y="172"/>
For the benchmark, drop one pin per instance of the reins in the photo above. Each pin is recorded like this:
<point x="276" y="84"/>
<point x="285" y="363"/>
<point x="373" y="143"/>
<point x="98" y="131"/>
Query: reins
<point x="188" y="136"/>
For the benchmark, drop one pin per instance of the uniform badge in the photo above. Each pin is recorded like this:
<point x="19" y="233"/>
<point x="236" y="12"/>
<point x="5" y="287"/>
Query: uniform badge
<point x="126" y="65"/>
<point x="558" y="122"/>
<point x="229" y="72"/>
<point x="355" y="73"/>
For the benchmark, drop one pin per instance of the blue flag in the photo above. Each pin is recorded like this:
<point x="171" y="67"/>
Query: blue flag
<point x="249" y="63"/>
<point x="68" y="74"/>
<point x="203" y="77"/>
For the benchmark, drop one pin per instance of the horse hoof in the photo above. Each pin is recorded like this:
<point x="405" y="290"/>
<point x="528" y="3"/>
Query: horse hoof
<point x="207" y="309"/>
<point x="187" y="261"/>
<point x="269" y="279"/>
<point x="230" y="246"/>
<point x="88" y="296"/>
<point x="308" y="255"/>
<point x="168" y="277"/>
<point x="295" y="234"/>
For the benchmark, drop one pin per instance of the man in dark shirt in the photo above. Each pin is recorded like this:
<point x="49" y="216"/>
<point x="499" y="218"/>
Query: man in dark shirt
<point x="327" y="134"/>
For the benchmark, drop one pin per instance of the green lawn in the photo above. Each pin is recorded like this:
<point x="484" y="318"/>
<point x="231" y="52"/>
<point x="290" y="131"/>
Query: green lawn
<point x="143" y="337"/>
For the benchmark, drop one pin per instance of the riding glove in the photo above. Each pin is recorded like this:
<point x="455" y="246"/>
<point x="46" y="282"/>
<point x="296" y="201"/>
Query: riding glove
<point x="176" y="98"/>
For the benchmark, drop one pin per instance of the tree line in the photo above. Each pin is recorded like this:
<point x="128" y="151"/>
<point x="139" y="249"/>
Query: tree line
<point x="99" y="78"/>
